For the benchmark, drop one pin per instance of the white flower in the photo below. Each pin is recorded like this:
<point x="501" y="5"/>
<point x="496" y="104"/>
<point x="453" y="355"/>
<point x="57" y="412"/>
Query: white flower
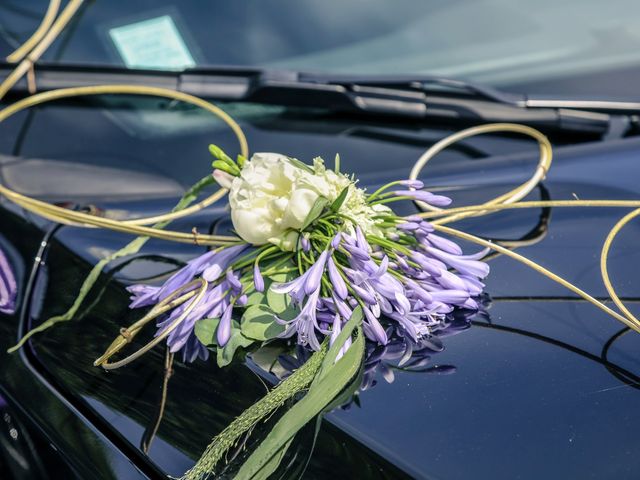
<point x="272" y="197"/>
<point x="269" y="198"/>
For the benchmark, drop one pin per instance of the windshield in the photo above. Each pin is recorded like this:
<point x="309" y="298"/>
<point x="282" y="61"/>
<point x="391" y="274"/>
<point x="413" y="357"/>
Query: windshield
<point x="547" y="45"/>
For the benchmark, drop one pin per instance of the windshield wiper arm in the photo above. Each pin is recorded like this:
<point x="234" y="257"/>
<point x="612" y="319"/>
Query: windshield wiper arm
<point x="419" y="98"/>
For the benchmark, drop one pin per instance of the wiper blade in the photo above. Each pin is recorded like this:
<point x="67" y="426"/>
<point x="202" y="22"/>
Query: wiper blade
<point x="422" y="98"/>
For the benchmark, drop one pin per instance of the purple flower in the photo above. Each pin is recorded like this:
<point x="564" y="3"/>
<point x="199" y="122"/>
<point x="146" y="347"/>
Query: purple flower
<point x="335" y="242"/>
<point x="306" y="283"/>
<point x="218" y="263"/>
<point x="417" y="184"/>
<point x="143" y="295"/>
<point x="372" y="327"/>
<point x="427" y="197"/>
<point x="224" y="328"/>
<point x="339" y="287"/>
<point x="443" y="244"/>
<point x="234" y="282"/>
<point x="305" y="324"/>
<point x="210" y="264"/>
<point x="217" y="302"/>
<point x="465" y="264"/>
<point x="315" y="274"/>
<point x="304" y="242"/>
<point x="258" y="281"/>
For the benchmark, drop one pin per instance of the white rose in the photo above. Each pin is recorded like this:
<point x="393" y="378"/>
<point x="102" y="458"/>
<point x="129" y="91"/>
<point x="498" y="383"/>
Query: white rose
<point x="270" y="197"/>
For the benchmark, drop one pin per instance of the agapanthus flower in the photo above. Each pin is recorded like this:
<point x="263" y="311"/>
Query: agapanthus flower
<point x="223" y="292"/>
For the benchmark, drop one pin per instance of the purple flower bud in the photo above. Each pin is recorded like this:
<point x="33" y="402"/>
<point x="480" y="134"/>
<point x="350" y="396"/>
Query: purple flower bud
<point x="427" y="197"/>
<point x="455" y="297"/>
<point x="430" y="265"/>
<point x="342" y="308"/>
<point x="408" y="226"/>
<point x="364" y="294"/>
<point x="357" y="252"/>
<point x="417" y="184"/>
<point x="142" y="295"/>
<point x="242" y="300"/>
<point x="376" y="330"/>
<point x="224" y="327"/>
<point x="220" y="262"/>
<point x="258" y="281"/>
<point x="426" y="227"/>
<point x="335" y="329"/>
<point x="402" y="303"/>
<point x="466" y="265"/>
<point x="314" y="276"/>
<point x="234" y="281"/>
<point x="361" y="240"/>
<point x="335" y="243"/>
<point x="444" y="244"/>
<point x="339" y="286"/>
<point x="304" y="242"/>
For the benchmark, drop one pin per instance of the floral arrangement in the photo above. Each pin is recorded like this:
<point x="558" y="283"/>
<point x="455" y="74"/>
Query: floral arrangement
<point x="313" y="247"/>
<point x="316" y="259"/>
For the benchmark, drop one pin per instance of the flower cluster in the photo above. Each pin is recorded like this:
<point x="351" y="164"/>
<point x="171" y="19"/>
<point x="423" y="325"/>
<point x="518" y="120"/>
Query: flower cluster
<point x="313" y="247"/>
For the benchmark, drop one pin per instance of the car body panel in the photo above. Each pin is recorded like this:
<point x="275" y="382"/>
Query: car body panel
<point x="529" y="392"/>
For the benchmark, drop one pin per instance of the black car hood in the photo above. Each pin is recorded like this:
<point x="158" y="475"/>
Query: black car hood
<point x="538" y="387"/>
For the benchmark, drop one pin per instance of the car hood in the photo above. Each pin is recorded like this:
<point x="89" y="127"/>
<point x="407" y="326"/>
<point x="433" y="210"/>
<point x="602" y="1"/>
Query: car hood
<point x="539" y="385"/>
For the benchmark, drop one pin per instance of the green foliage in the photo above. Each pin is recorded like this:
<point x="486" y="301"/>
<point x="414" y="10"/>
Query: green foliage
<point x="324" y="389"/>
<point x="259" y="323"/>
<point x="287" y="389"/>
<point x="315" y="212"/>
<point x="300" y="164"/>
<point x="337" y="203"/>
<point x="236" y="341"/>
<point x="205" y="330"/>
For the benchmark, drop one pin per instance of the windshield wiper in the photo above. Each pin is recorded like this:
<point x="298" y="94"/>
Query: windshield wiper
<point x="425" y="98"/>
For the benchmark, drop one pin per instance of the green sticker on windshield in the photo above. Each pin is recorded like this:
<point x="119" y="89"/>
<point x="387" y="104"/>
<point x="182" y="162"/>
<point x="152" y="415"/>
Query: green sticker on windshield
<point x="153" y="43"/>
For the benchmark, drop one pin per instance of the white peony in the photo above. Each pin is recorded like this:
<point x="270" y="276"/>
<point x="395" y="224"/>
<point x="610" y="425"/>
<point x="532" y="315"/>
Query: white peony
<point x="270" y="197"/>
<point x="273" y="196"/>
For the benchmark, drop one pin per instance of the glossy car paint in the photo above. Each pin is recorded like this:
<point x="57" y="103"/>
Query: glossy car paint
<point x="540" y="388"/>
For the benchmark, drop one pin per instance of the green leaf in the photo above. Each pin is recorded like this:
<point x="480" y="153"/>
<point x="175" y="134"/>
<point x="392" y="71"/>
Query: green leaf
<point x="205" y="330"/>
<point x="259" y="323"/>
<point x="255" y="298"/>
<point x="300" y="164"/>
<point x="237" y="340"/>
<point x="330" y="359"/>
<point x="319" y="396"/>
<point x="315" y="212"/>
<point x="272" y="464"/>
<point x="241" y="160"/>
<point x="280" y="303"/>
<point x="337" y="203"/>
